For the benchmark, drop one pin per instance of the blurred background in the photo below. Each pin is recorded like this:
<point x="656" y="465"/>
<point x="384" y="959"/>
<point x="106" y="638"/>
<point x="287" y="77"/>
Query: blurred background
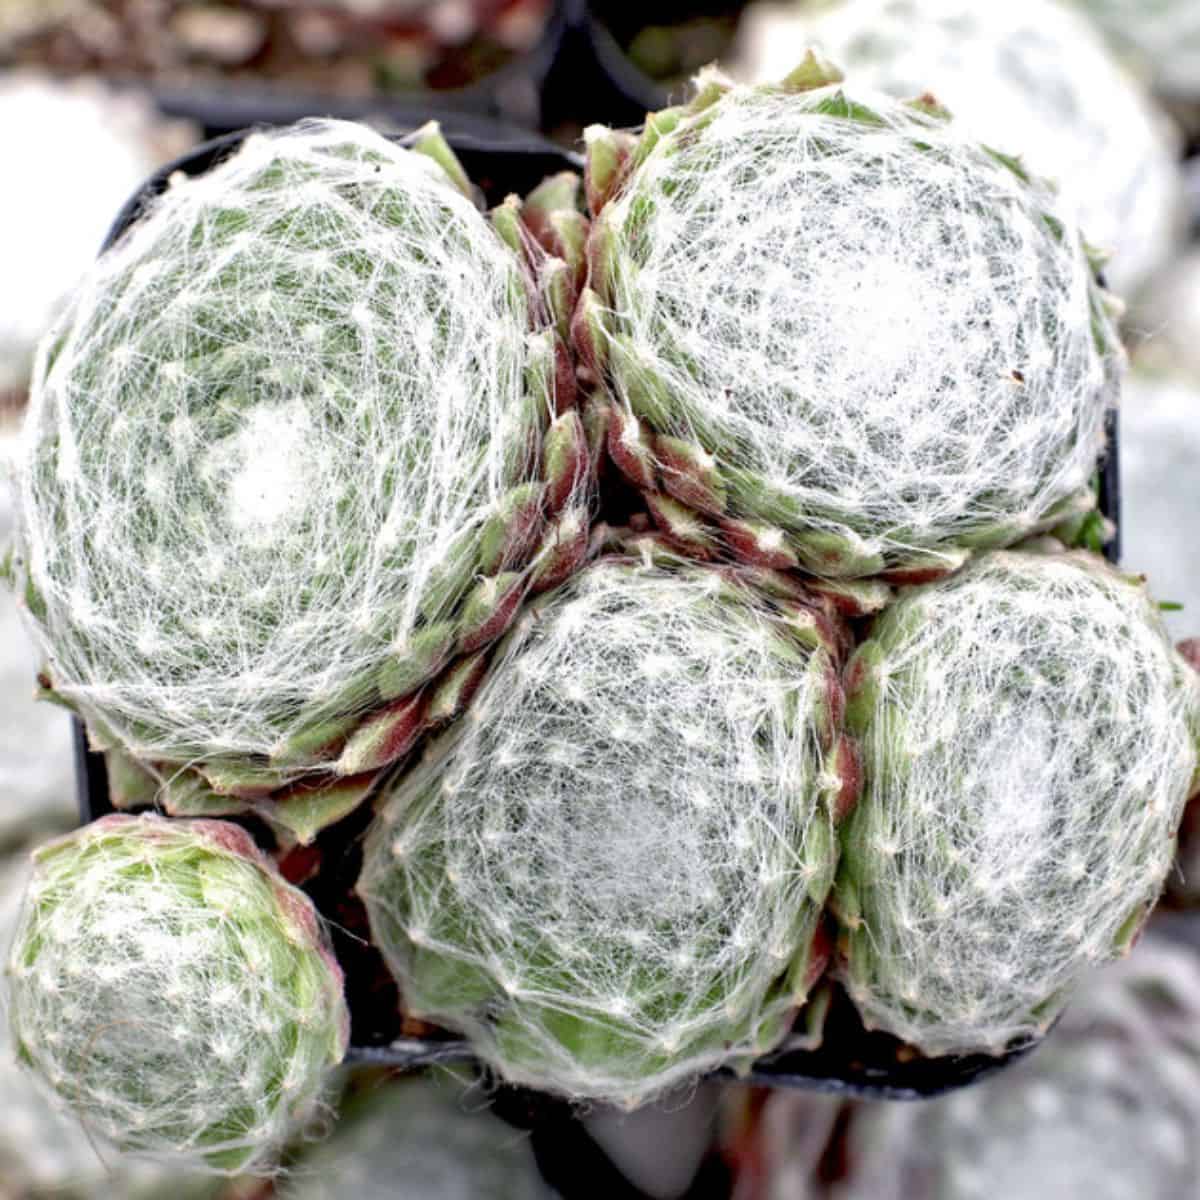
<point x="1103" y="95"/>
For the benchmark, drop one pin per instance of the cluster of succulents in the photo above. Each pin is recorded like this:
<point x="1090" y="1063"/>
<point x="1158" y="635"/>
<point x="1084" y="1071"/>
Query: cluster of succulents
<point x="307" y="504"/>
<point x="1030" y="77"/>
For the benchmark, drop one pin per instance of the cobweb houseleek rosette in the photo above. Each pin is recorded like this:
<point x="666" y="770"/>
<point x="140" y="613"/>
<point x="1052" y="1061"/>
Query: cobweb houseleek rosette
<point x="1031" y="76"/>
<point x="44" y="1152"/>
<point x="175" y="992"/>
<point x="839" y="334"/>
<point x="1029" y="739"/>
<point x="610" y="877"/>
<point x="298" y="450"/>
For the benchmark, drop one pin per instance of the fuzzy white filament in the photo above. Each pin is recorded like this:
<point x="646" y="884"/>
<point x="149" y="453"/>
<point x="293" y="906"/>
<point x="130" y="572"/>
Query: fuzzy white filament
<point x="877" y="329"/>
<point x="174" y="992"/>
<point x="1028" y="745"/>
<point x="1029" y="77"/>
<point x="263" y="439"/>
<point x="43" y="1151"/>
<point x="610" y="876"/>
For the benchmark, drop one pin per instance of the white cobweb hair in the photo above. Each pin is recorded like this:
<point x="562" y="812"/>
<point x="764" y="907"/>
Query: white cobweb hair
<point x="266" y="439"/>
<point x="1107" y="1109"/>
<point x="44" y="1151"/>
<point x="1028" y="745"/>
<point x="609" y="876"/>
<point x="876" y="330"/>
<point x="1031" y="77"/>
<point x="174" y="993"/>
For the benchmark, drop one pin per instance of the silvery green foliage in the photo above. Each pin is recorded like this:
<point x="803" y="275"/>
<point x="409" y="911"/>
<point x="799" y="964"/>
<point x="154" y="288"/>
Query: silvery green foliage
<point x="35" y="739"/>
<point x="44" y="1155"/>
<point x="268" y="447"/>
<point x="853" y="323"/>
<point x="72" y="153"/>
<point x="178" y="996"/>
<point x="1030" y="77"/>
<point x="418" y="1139"/>
<point x="1028" y="741"/>
<point x="609" y="877"/>
<point x="1163" y="36"/>
<point x="1107" y="1109"/>
<point x="1160" y="488"/>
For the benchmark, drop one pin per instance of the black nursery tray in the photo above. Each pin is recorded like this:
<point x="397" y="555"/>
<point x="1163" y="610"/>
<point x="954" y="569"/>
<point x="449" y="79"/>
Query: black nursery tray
<point x="850" y="1060"/>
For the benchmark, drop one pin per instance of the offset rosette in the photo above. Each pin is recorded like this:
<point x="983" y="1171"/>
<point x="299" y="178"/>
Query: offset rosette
<point x="611" y="876"/>
<point x="297" y="453"/>
<point x="178" y="996"/>
<point x="839" y="334"/>
<point x="1029" y="740"/>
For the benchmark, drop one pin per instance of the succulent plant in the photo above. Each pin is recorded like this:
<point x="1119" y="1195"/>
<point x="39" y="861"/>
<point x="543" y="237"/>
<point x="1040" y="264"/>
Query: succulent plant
<point x="1029" y="739"/>
<point x="178" y="996"/>
<point x="851" y="338"/>
<point x="44" y="1153"/>
<point x="1106" y="1110"/>
<point x="610" y="877"/>
<point x="294" y="458"/>
<point x="1030" y="77"/>
<point x="417" y="1139"/>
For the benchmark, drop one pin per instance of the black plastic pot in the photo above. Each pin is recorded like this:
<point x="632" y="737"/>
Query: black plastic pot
<point x="851" y="1060"/>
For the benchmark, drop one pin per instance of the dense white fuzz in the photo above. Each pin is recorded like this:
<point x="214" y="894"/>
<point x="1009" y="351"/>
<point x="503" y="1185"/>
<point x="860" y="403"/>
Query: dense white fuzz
<point x="1160" y="36"/>
<point x="43" y="1153"/>
<point x="1029" y="77"/>
<point x="174" y="992"/>
<point x="609" y="878"/>
<point x="1106" y="1110"/>
<point x="1027" y="748"/>
<point x="418" y="1139"/>
<point x="73" y="153"/>
<point x="265" y="442"/>
<point x="887" y="338"/>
